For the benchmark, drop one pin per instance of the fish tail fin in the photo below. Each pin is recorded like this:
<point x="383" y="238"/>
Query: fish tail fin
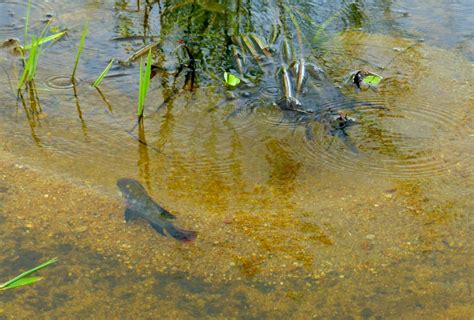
<point x="181" y="234"/>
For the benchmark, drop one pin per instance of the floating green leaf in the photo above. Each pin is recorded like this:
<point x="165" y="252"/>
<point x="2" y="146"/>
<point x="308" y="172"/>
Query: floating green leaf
<point x="230" y="79"/>
<point x="372" y="79"/>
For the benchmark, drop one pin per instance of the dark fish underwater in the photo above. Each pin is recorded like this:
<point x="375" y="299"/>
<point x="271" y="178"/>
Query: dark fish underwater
<point x="140" y="205"/>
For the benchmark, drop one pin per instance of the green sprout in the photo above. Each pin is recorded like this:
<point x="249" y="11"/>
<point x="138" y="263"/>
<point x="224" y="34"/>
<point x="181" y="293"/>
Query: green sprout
<point x="23" y="278"/>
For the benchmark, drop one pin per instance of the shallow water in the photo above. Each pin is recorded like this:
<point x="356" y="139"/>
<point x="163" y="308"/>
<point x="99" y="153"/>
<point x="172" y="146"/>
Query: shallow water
<point x="288" y="227"/>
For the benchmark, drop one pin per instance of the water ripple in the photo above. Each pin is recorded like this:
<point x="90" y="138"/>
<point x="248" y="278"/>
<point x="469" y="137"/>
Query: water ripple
<point x="12" y="17"/>
<point x="409" y="140"/>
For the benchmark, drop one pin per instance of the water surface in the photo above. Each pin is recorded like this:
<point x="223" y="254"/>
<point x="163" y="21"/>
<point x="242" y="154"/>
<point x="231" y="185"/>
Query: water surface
<point x="288" y="227"/>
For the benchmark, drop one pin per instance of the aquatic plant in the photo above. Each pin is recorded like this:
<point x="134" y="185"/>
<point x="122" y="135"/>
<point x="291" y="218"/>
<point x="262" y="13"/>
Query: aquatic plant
<point x="231" y="80"/>
<point x="30" y="65"/>
<point x="27" y="21"/>
<point x="43" y="40"/>
<point x="79" y="51"/>
<point x="145" y="73"/>
<point x="22" y="279"/>
<point x="103" y="74"/>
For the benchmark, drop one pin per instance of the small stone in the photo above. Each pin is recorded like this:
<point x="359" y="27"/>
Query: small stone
<point x="370" y="237"/>
<point x="42" y="115"/>
<point x="366" y="245"/>
<point x="228" y="219"/>
<point x="81" y="229"/>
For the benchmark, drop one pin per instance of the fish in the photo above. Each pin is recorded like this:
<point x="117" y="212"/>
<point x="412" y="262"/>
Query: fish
<point x="262" y="45"/>
<point x="288" y="101"/>
<point x="250" y="47"/>
<point x="301" y="75"/>
<point x="238" y="59"/>
<point x="140" y="205"/>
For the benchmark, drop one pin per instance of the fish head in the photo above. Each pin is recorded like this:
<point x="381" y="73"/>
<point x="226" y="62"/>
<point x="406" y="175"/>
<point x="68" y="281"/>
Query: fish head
<point x="130" y="187"/>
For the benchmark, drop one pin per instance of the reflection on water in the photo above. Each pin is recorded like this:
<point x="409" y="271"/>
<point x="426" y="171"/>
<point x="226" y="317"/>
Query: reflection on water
<point x="291" y="221"/>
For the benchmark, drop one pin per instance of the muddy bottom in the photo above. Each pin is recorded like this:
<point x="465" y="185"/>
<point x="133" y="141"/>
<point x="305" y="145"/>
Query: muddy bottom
<point x="109" y="269"/>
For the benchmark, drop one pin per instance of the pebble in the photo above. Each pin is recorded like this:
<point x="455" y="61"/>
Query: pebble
<point x="80" y="229"/>
<point x="366" y="245"/>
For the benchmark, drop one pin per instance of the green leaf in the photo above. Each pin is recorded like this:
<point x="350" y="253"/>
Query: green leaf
<point x="27" y="21"/>
<point x="22" y="282"/>
<point x="46" y="39"/>
<point x="79" y="49"/>
<point x="55" y="29"/>
<point x="27" y="273"/>
<point x="145" y="74"/>
<point x="230" y="79"/>
<point x="102" y="75"/>
<point x="372" y="79"/>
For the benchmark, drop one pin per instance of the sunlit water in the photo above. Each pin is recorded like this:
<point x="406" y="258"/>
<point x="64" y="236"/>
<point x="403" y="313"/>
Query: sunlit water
<point x="288" y="226"/>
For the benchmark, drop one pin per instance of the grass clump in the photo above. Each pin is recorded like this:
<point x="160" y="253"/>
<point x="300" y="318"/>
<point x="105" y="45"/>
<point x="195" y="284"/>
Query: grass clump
<point x="30" y="64"/>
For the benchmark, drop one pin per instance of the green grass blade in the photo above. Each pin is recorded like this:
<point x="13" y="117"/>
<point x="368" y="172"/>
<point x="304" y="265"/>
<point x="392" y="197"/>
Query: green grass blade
<point x="324" y="25"/>
<point x="27" y="273"/>
<point x="46" y="39"/>
<point x="22" y="282"/>
<point x="27" y="21"/>
<point x="79" y="50"/>
<point x="148" y="72"/>
<point x="43" y="32"/>
<point x="144" y="83"/>
<point x="28" y="64"/>
<point x="34" y="62"/>
<point x="103" y="74"/>
<point x="140" y="95"/>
